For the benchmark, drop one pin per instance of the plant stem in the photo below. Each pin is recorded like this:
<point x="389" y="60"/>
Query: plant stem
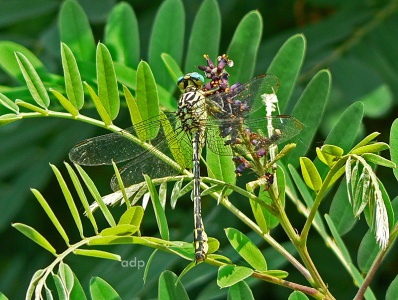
<point x="227" y="204"/>
<point x="316" y="279"/>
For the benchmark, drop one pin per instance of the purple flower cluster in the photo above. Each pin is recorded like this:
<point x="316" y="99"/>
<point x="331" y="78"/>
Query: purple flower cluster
<point x="229" y="106"/>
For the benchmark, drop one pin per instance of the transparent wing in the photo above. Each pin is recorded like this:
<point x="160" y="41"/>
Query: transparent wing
<point x="250" y="92"/>
<point x="118" y="147"/>
<point x="289" y="127"/>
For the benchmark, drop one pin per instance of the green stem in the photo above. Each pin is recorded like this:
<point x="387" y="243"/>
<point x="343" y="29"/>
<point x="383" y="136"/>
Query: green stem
<point x="315" y="279"/>
<point x="246" y="220"/>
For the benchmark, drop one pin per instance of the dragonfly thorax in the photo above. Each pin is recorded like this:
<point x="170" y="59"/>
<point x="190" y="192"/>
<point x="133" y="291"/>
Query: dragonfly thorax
<point x="192" y="110"/>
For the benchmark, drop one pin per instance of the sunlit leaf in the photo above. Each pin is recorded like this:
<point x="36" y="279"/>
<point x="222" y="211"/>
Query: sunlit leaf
<point x="170" y="287"/>
<point x="229" y="275"/>
<point x="246" y="249"/>
<point x="101" y="290"/>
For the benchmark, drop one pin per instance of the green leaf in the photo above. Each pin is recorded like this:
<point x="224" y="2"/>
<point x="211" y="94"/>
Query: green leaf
<point x="189" y="267"/>
<point x="125" y="75"/>
<point x="121" y="184"/>
<point x="98" y="254"/>
<point x="367" y="140"/>
<point x="82" y="196"/>
<point x="220" y="167"/>
<point x="148" y="241"/>
<point x="122" y="229"/>
<point x="239" y="291"/>
<point x="66" y="275"/>
<point x="75" y="31"/>
<point x="185" y="250"/>
<point x="96" y="195"/>
<point x="122" y="36"/>
<point x="101" y="290"/>
<point x="296" y="295"/>
<point x="77" y="290"/>
<point x="394" y="145"/>
<point x="172" y="66"/>
<point x="213" y="244"/>
<point x="32" y="107"/>
<point x="378" y="160"/>
<point x="375" y="147"/>
<point x="159" y="212"/>
<point x="98" y="105"/>
<point x="310" y="174"/>
<point x="3" y="297"/>
<point x="50" y="213"/>
<point x="69" y="199"/>
<point x="132" y="216"/>
<point x="176" y="145"/>
<point x="244" y="46"/>
<point x="201" y="41"/>
<point x="229" y="275"/>
<point x="347" y="126"/>
<point x="35" y="236"/>
<point x="222" y="194"/>
<point x="73" y="81"/>
<point x="325" y="154"/>
<point x="378" y="102"/>
<point x="167" y="37"/>
<point x="33" y="283"/>
<point x="147" y="96"/>
<point x="367" y="252"/>
<point x="392" y="290"/>
<point x="107" y="84"/>
<point x="163" y="194"/>
<point x="33" y="81"/>
<point x="10" y="65"/>
<point x="148" y="264"/>
<point x="315" y="95"/>
<point x="341" y="210"/>
<point x="61" y="289"/>
<point x="259" y="215"/>
<point x="271" y="221"/>
<point x="332" y="150"/>
<point x="65" y="103"/>
<point x="339" y="242"/>
<point x="358" y="280"/>
<point x="276" y="273"/>
<point x="8" y="118"/>
<point x="170" y="287"/>
<point x="8" y="103"/>
<point x="286" y="65"/>
<point x="246" y="249"/>
<point x="175" y="193"/>
<point x="134" y="111"/>
<point x="302" y="187"/>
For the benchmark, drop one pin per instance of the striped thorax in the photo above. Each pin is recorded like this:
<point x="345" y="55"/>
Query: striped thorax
<point x="191" y="105"/>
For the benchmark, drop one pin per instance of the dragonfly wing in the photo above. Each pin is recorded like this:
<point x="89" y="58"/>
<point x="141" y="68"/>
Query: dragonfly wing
<point x="288" y="126"/>
<point x="146" y="163"/>
<point x="215" y="142"/>
<point x="249" y="92"/>
<point x="117" y="146"/>
<point x="101" y="150"/>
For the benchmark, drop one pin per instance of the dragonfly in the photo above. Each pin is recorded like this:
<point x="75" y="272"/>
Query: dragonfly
<point x="170" y="143"/>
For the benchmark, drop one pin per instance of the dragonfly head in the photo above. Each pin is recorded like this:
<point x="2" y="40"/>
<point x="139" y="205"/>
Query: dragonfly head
<point x="190" y="80"/>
